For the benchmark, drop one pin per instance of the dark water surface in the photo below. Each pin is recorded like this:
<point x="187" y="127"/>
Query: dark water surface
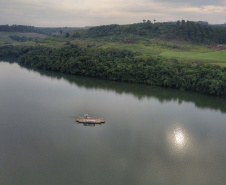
<point x="151" y="136"/>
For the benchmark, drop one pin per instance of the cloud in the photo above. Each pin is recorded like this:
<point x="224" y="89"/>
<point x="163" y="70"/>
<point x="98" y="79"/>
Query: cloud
<point x="193" y="2"/>
<point x="89" y="12"/>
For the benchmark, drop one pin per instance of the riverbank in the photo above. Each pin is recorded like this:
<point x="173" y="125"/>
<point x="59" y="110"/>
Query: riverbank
<point x="124" y="65"/>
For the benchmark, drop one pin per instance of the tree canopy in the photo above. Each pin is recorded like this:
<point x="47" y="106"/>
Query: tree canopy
<point x="125" y="66"/>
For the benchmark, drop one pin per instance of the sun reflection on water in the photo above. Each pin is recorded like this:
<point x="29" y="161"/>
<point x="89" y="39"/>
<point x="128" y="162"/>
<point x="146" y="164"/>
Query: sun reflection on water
<point x="178" y="139"/>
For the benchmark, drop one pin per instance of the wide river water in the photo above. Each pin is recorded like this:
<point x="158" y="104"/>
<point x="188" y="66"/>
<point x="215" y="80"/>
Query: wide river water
<point x="151" y="136"/>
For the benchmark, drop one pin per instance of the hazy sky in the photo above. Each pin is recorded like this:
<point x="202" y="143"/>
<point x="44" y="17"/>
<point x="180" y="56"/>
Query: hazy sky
<point x="99" y="12"/>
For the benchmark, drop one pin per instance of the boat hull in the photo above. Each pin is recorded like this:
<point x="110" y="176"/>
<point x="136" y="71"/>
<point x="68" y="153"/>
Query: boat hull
<point x="90" y="121"/>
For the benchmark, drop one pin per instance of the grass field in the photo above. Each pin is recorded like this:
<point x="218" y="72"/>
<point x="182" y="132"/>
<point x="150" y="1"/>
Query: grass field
<point x="173" y="49"/>
<point x="147" y="50"/>
<point x="182" y="51"/>
<point x="214" y="57"/>
<point x="5" y="37"/>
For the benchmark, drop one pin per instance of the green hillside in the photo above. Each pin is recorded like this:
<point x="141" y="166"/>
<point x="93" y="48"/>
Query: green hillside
<point x="187" y="31"/>
<point x="188" y="41"/>
<point x="182" y="55"/>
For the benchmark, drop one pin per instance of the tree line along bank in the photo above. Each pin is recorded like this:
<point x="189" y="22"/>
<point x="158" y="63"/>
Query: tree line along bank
<point x="124" y="66"/>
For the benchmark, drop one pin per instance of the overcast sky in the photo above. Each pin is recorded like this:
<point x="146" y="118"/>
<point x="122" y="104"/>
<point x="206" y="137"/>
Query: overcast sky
<point x="78" y="13"/>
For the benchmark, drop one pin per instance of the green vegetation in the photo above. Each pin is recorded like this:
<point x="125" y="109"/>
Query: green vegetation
<point x="126" y="66"/>
<point x="17" y="38"/>
<point x="176" y="55"/>
<point x="171" y="40"/>
<point x="32" y="29"/>
<point x="219" y="56"/>
<point x="21" y="39"/>
<point x="188" y="31"/>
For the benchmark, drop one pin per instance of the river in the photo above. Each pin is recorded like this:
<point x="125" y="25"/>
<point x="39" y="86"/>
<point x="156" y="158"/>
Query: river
<point x="152" y="135"/>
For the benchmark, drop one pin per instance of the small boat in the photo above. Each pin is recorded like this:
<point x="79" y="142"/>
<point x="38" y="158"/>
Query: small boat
<point x="89" y="120"/>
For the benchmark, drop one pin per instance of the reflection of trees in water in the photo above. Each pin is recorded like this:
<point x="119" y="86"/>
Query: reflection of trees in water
<point x="142" y="91"/>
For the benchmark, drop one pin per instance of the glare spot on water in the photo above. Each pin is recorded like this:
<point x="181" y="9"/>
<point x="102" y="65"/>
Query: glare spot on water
<point x="179" y="137"/>
<point x="178" y="140"/>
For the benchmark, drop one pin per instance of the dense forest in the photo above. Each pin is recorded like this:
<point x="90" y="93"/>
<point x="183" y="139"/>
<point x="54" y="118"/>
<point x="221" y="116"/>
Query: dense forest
<point x="125" y="66"/>
<point x="181" y="30"/>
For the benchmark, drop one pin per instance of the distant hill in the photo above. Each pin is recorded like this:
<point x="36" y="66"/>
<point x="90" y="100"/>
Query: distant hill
<point x="197" y="32"/>
<point x="41" y="30"/>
